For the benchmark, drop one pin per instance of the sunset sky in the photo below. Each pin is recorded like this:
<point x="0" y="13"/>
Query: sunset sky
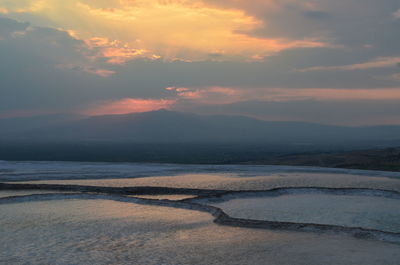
<point x="324" y="61"/>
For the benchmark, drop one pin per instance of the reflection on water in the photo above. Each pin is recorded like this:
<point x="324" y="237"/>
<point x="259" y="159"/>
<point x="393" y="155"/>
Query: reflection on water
<point x="234" y="182"/>
<point x="6" y="193"/>
<point x="98" y="231"/>
<point x="45" y="170"/>
<point x="108" y="232"/>
<point x="174" y="197"/>
<point x="78" y="210"/>
<point x="356" y="211"/>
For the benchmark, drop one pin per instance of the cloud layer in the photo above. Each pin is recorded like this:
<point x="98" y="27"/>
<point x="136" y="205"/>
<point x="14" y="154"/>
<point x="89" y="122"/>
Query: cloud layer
<point x="171" y="30"/>
<point x="270" y="59"/>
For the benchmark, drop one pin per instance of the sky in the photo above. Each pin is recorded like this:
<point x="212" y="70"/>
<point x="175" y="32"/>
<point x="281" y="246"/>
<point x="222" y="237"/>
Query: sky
<point x="322" y="61"/>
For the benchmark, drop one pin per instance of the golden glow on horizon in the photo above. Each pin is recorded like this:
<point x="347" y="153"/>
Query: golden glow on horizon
<point x="226" y="95"/>
<point x="128" y="105"/>
<point x="189" y="30"/>
<point x="380" y="62"/>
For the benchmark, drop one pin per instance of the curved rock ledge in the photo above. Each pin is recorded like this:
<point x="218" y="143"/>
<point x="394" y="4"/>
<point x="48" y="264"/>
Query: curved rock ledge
<point x="145" y="190"/>
<point x="220" y="217"/>
<point x="276" y="192"/>
<point x="200" y="193"/>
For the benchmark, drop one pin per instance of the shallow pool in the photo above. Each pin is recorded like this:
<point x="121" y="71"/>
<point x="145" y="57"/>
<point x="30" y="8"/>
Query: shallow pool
<point x="345" y="210"/>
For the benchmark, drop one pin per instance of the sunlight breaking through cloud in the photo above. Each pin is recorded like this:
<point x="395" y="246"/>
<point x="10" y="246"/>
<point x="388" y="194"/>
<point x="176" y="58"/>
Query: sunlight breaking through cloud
<point x="172" y="30"/>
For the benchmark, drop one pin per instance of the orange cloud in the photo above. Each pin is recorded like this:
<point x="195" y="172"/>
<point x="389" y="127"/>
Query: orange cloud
<point x="324" y="94"/>
<point x="224" y="95"/>
<point x="210" y="95"/>
<point x="129" y="105"/>
<point x="115" y="52"/>
<point x="188" y="30"/>
<point x="21" y="6"/>
<point x="380" y="62"/>
<point x="253" y="6"/>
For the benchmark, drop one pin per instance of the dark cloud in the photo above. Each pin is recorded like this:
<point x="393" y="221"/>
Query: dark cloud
<point x="351" y="23"/>
<point x="30" y="72"/>
<point x="318" y="15"/>
<point x="9" y="26"/>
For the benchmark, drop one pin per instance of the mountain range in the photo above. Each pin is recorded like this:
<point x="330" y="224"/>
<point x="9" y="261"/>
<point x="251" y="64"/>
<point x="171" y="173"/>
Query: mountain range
<point x="165" y="126"/>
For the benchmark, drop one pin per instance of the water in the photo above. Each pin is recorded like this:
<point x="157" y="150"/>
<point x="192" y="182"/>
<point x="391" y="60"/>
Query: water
<point x="7" y="193"/>
<point x="84" y="230"/>
<point x="106" y="232"/>
<point x="165" y="197"/>
<point x="352" y="211"/>
<point x="26" y="171"/>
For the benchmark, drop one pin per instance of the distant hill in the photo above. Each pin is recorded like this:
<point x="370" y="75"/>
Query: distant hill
<point x="175" y="127"/>
<point x="173" y="137"/>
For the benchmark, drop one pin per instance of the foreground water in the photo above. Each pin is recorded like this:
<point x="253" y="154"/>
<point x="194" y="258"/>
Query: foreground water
<point x="343" y="210"/>
<point x="104" y="232"/>
<point x="84" y="230"/>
